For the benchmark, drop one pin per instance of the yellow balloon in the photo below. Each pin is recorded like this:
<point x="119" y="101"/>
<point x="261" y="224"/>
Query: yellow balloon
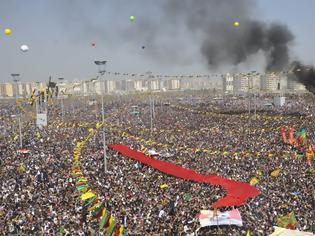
<point x="236" y="23"/>
<point x="7" y="31"/>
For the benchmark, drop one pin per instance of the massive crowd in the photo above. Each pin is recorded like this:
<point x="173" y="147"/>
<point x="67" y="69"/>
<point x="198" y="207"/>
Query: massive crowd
<point x="38" y="195"/>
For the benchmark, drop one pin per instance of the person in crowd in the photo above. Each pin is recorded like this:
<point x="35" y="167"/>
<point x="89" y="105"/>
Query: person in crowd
<point x="212" y="137"/>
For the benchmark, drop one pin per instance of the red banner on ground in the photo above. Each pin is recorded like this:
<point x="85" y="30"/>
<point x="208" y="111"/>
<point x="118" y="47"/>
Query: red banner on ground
<point x="237" y="192"/>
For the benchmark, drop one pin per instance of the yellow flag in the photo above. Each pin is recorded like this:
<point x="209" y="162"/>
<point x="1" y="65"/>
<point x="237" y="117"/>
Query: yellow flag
<point x="21" y="169"/>
<point x="275" y="173"/>
<point x="112" y="224"/>
<point x="96" y="205"/>
<point x="87" y="195"/>
<point x="121" y="231"/>
<point x="254" y="181"/>
<point x="162" y="186"/>
<point x="143" y="148"/>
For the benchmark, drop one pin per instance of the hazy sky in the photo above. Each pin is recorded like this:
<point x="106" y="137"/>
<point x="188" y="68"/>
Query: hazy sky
<point x="60" y="34"/>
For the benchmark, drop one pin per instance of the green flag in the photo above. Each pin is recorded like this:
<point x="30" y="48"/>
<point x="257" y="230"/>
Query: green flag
<point x="89" y="202"/>
<point x="61" y="230"/>
<point x="112" y="229"/>
<point x="111" y="226"/>
<point x="103" y="219"/>
<point x="81" y="187"/>
<point x="187" y="197"/>
<point x="289" y="221"/>
<point x="97" y="210"/>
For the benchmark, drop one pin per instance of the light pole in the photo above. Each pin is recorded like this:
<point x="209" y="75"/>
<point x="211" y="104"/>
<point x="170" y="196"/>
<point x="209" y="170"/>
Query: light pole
<point x="151" y="115"/>
<point x="255" y="101"/>
<point x="20" y="131"/>
<point x="62" y="105"/>
<point x="15" y="76"/>
<point x="20" y="128"/>
<point x="92" y="92"/>
<point x="250" y="87"/>
<point x="101" y="71"/>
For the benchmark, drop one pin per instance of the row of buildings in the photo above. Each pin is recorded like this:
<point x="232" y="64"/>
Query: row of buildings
<point x="254" y="82"/>
<point x="19" y="89"/>
<point x="152" y="84"/>
<point x="114" y="85"/>
<point x="229" y="83"/>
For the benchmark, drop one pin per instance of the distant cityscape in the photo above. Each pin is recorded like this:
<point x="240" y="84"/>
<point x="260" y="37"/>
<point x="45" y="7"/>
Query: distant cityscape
<point x="125" y="83"/>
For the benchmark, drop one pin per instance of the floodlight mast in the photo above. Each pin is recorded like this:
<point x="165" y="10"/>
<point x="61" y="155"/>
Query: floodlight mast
<point x="19" y="116"/>
<point x="101" y="70"/>
<point x="62" y="104"/>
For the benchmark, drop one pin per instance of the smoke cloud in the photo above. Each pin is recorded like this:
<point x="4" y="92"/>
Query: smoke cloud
<point x="305" y="75"/>
<point x="177" y="30"/>
<point x="222" y="43"/>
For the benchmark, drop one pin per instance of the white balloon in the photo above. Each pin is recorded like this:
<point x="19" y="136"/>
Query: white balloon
<point x="24" y="48"/>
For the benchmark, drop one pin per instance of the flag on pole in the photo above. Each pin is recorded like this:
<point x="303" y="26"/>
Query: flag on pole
<point x="104" y="218"/>
<point x="275" y="173"/>
<point x="289" y="221"/>
<point x="163" y="186"/>
<point x="254" y="181"/>
<point x="96" y="212"/>
<point x="301" y="136"/>
<point x="87" y="195"/>
<point x="90" y="202"/>
<point x="112" y="226"/>
<point x="209" y="218"/>
<point x="61" y="230"/>
<point x="96" y="205"/>
<point x="187" y="197"/>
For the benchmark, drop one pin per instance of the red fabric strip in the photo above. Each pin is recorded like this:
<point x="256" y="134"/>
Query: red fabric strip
<point x="237" y="192"/>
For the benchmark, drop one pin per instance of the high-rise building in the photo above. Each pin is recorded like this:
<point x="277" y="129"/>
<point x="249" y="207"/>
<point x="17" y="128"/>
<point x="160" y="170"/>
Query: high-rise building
<point x="244" y="83"/>
<point x="273" y="82"/>
<point x="228" y="83"/>
<point x="6" y="90"/>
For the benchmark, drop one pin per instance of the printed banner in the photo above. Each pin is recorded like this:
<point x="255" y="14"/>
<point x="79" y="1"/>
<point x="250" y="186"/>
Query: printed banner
<point x="209" y="218"/>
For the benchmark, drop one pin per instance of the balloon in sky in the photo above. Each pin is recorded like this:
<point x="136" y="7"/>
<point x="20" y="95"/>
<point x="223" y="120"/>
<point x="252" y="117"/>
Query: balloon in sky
<point x="24" y="48"/>
<point x="7" y="31"/>
<point x="236" y="23"/>
<point x="143" y="47"/>
<point x="93" y="44"/>
<point x="132" y="18"/>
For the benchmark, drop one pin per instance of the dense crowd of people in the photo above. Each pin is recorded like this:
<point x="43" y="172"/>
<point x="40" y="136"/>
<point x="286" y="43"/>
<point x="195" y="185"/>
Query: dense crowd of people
<point x="38" y="195"/>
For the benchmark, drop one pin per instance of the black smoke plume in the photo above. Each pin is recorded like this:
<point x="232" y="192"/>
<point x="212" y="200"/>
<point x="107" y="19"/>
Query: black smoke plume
<point x="224" y="44"/>
<point x="305" y="75"/>
<point x="235" y="46"/>
<point x="176" y="31"/>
